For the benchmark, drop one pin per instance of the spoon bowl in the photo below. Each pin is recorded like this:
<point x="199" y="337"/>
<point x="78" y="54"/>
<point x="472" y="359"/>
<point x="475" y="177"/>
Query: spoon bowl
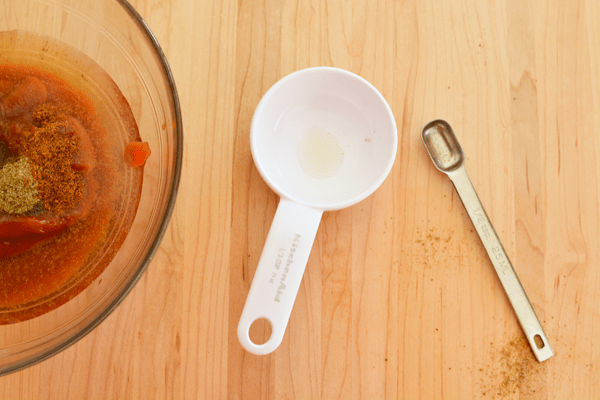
<point x="443" y="146"/>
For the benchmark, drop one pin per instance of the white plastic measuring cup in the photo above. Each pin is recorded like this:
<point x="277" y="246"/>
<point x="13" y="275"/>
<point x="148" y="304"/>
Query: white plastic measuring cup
<point x="323" y="139"/>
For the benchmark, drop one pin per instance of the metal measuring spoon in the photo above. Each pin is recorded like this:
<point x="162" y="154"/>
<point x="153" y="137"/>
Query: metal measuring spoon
<point x="447" y="155"/>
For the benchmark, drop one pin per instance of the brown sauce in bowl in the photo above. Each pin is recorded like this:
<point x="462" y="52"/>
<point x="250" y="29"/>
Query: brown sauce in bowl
<point x="51" y="251"/>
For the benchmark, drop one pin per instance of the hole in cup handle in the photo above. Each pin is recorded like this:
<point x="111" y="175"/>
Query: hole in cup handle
<point x="263" y="348"/>
<point x="279" y="273"/>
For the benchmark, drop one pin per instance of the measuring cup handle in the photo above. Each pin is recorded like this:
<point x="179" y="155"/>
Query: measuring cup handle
<point x="279" y="273"/>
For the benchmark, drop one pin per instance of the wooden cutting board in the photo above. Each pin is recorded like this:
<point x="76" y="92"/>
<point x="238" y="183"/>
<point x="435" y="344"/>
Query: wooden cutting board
<point x="399" y="299"/>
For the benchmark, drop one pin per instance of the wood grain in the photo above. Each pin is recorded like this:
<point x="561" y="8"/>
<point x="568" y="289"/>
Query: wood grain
<point x="399" y="299"/>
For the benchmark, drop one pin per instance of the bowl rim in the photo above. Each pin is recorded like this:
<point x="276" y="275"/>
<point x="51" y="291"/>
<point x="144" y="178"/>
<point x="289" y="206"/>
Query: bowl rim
<point x="81" y="332"/>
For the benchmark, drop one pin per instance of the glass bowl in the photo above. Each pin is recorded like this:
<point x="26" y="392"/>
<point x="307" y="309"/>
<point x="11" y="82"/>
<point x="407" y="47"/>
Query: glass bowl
<point x="114" y="37"/>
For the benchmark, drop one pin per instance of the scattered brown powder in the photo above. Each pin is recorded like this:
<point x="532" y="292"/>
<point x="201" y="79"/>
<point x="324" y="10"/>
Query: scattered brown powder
<point x="514" y="372"/>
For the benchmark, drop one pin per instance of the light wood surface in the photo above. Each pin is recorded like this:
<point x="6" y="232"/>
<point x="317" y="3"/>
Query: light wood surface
<point x="399" y="299"/>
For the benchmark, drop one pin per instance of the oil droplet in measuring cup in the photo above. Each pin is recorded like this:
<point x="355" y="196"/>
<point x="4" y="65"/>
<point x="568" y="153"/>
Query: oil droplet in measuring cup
<point x="319" y="153"/>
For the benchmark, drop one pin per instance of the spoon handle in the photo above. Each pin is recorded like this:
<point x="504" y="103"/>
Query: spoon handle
<point x="512" y="286"/>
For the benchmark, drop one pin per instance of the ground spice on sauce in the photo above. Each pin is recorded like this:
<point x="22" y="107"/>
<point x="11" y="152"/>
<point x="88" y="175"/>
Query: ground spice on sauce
<point x="50" y="148"/>
<point x="18" y="189"/>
